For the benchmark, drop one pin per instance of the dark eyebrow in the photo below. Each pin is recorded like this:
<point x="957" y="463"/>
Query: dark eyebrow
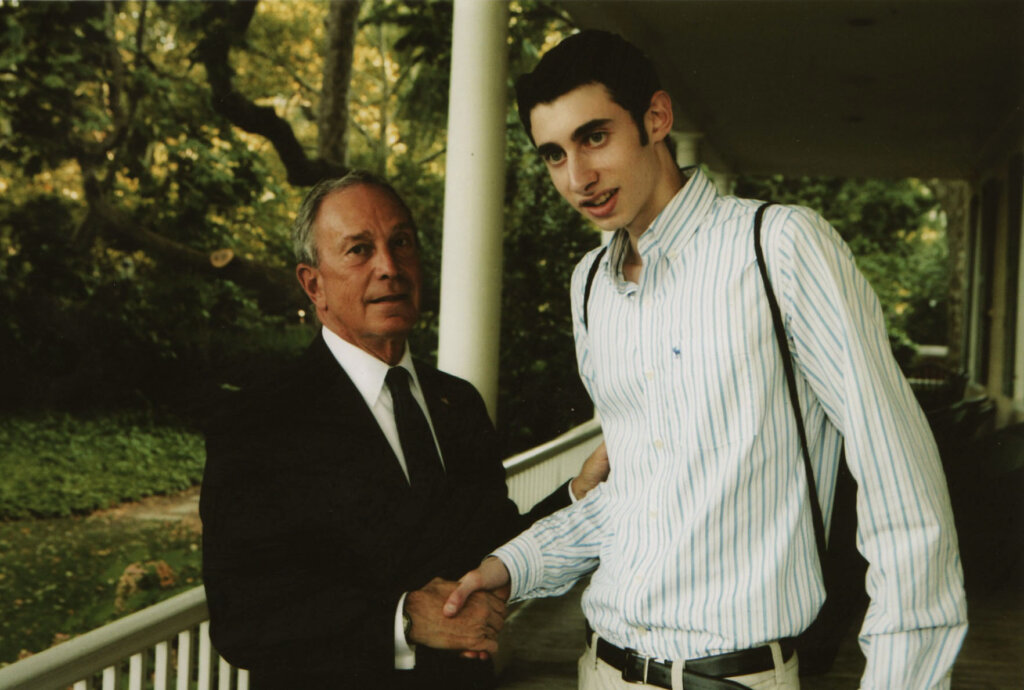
<point x="359" y="236"/>
<point x="588" y="128"/>
<point x="546" y="150"/>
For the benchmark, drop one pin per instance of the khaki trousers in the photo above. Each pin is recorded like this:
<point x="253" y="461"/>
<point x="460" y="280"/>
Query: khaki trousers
<point x="595" y="674"/>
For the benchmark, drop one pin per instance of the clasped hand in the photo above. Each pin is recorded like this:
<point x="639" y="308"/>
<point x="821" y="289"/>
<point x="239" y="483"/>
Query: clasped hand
<point x="473" y="610"/>
<point x="473" y="629"/>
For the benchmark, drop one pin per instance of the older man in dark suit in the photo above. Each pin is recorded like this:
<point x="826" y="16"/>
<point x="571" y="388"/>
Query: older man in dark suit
<point x="340" y="501"/>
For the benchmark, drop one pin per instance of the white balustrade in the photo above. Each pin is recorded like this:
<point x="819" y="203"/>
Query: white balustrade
<point x="532" y="475"/>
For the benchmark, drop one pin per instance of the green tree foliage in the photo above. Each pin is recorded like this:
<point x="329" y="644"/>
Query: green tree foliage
<point x="120" y="181"/>
<point x="144" y="138"/>
<point x="896" y="231"/>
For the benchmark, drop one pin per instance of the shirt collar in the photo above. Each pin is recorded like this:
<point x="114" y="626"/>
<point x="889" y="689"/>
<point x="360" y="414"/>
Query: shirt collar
<point x="681" y="217"/>
<point x="366" y="371"/>
<point x="674" y="225"/>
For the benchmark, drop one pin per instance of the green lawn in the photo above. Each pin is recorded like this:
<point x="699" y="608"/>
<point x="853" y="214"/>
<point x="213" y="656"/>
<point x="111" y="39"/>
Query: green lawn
<point x="61" y="576"/>
<point x="64" y="576"/>
<point x="59" y="465"/>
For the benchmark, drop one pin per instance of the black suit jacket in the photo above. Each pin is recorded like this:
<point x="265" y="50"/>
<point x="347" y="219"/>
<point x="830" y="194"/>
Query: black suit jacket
<point x="311" y="533"/>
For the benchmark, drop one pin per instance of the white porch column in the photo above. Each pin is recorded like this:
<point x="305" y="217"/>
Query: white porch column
<point x="470" y="318"/>
<point x="687" y="148"/>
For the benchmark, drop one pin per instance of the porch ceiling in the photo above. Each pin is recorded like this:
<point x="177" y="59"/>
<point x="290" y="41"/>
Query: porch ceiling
<point x="840" y="87"/>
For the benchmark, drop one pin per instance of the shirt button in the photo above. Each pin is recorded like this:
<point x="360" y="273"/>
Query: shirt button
<point x="637" y="579"/>
<point x="652" y="514"/>
<point x="673" y="255"/>
<point x="649" y="374"/>
<point x="659" y="444"/>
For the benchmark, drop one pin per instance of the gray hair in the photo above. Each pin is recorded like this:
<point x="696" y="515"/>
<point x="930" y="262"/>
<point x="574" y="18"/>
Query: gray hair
<point x="303" y="235"/>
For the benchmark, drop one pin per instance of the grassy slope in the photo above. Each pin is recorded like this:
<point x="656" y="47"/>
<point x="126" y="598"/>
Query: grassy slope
<point x="61" y="576"/>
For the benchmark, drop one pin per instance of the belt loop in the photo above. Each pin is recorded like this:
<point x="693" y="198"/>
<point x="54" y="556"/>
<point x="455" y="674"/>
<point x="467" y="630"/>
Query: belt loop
<point x="593" y="647"/>
<point x="647" y="663"/>
<point x="677" y="674"/>
<point x="778" y="662"/>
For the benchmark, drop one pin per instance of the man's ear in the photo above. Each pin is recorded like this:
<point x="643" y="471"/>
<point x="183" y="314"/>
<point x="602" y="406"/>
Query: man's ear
<point x="309" y="279"/>
<point x="658" y="118"/>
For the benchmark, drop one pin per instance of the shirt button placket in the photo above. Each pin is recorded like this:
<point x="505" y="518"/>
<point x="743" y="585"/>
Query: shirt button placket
<point x="648" y="336"/>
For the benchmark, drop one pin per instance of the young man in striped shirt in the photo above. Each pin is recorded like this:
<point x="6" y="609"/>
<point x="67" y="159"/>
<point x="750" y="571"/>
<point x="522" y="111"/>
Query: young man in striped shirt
<point x="702" y="543"/>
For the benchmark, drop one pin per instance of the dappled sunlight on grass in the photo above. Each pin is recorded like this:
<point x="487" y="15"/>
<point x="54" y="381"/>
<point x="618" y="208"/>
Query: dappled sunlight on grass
<point x="65" y="576"/>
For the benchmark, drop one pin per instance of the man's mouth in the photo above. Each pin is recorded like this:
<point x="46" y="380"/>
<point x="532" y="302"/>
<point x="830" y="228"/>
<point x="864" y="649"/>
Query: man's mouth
<point x="599" y="201"/>
<point x="399" y="297"/>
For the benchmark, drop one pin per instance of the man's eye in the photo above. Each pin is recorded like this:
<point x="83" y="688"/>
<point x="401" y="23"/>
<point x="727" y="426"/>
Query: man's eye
<point x="554" y="157"/>
<point x="597" y="138"/>
<point x="358" y="249"/>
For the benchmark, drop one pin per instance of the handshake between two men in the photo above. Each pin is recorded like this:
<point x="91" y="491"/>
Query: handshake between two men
<point x="468" y="615"/>
<point x="471" y="627"/>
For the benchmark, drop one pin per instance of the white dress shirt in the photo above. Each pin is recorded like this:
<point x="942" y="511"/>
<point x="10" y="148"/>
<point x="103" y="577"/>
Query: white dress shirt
<point x="367" y="373"/>
<point x="702" y="536"/>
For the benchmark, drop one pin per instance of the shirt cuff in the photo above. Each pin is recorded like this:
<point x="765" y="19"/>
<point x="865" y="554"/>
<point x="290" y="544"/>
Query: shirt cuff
<point x="572" y="496"/>
<point x="405" y="654"/>
<point x="525" y="564"/>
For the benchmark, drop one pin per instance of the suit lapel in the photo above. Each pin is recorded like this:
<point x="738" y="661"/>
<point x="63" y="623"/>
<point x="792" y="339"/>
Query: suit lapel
<point x="441" y="414"/>
<point x="338" y="406"/>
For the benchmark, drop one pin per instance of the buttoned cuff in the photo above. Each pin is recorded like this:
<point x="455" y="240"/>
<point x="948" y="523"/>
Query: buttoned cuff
<point x="405" y="654"/>
<point x="525" y="564"/>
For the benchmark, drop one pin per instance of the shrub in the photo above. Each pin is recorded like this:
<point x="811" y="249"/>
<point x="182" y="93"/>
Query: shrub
<point x="57" y="465"/>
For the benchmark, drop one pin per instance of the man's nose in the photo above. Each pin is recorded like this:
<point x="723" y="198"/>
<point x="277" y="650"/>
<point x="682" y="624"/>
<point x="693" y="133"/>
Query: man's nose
<point x="385" y="263"/>
<point x="582" y="175"/>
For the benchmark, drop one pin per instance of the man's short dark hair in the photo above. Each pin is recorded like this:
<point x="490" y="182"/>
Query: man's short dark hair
<point x="591" y="57"/>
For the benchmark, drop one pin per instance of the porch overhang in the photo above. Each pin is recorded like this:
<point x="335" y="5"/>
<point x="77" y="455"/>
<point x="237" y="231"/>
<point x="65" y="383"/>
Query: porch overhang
<point x="872" y="88"/>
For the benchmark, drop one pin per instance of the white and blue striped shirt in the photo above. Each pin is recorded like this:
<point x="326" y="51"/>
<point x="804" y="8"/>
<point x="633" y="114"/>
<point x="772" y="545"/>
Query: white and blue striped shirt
<point x="702" y="536"/>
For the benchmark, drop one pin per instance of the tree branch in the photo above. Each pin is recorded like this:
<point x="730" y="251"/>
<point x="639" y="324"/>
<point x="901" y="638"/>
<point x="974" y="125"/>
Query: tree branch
<point x="289" y="70"/>
<point x="436" y="154"/>
<point x="226" y="24"/>
<point x="370" y="139"/>
<point x="276" y="288"/>
<point x="92" y="153"/>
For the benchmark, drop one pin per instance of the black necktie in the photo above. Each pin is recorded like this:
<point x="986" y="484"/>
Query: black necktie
<point x="421" y="457"/>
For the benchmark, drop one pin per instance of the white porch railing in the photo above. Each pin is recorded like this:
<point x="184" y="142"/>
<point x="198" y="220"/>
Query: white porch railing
<point x="163" y="647"/>
<point x="167" y="646"/>
<point x="531" y="475"/>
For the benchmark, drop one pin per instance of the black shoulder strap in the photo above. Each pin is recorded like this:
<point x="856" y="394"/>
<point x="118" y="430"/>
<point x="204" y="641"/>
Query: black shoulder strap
<point x="590" y="282"/>
<point x="787" y="364"/>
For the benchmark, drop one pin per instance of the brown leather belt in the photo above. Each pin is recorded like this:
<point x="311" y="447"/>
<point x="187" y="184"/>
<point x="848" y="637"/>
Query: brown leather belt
<point x="706" y="673"/>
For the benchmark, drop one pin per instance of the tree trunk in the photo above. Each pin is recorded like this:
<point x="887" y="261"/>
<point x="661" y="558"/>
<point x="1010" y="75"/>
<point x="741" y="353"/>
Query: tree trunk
<point x="332" y="122"/>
